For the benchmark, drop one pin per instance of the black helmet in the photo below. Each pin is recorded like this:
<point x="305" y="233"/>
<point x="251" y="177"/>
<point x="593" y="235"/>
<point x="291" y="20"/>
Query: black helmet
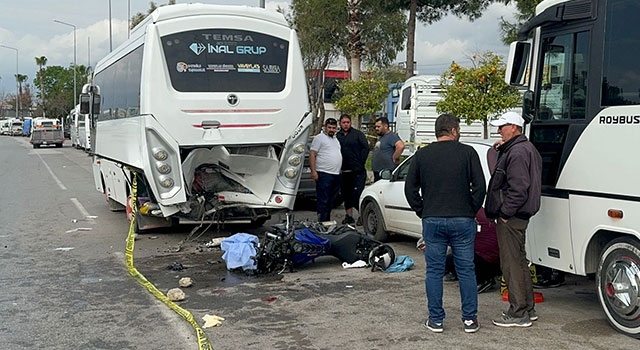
<point x="381" y="257"/>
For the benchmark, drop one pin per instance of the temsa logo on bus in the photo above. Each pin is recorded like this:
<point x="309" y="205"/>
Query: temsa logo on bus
<point x="227" y="37"/>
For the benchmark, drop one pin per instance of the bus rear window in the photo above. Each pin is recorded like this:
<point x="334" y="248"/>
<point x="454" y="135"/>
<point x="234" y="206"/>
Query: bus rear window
<point x="226" y="60"/>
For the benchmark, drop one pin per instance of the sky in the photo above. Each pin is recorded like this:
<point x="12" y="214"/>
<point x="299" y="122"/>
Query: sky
<point x="28" y="25"/>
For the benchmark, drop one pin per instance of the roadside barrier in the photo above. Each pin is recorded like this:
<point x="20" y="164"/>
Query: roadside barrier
<point x="203" y="342"/>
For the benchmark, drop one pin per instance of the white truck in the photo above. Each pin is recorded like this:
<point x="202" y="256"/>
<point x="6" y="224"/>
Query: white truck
<point x="416" y="113"/>
<point x="15" y="127"/>
<point x="47" y="132"/>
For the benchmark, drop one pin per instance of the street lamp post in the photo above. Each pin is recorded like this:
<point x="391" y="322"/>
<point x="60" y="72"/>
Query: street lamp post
<point x="75" y="94"/>
<point x="17" y="85"/>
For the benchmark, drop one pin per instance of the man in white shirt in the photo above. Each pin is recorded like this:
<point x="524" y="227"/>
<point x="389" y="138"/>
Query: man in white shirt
<point x="325" y="161"/>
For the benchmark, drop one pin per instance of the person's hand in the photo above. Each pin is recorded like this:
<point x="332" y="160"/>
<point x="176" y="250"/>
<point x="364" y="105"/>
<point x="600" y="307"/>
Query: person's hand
<point x="504" y="220"/>
<point x="314" y="175"/>
<point x="497" y="144"/>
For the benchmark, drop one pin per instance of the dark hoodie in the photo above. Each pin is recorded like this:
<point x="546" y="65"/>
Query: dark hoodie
<point x="515" y="185"/>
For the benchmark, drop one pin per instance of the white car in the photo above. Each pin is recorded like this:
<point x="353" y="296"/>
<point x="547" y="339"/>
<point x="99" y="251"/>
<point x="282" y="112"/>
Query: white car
<point x="384" y="208"/>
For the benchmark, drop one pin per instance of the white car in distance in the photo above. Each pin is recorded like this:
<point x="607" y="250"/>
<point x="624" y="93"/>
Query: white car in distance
<point x="383" y="205"/>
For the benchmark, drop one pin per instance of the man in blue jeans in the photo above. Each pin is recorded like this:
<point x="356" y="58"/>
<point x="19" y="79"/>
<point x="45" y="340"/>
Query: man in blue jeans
<point x="325" y="161"/>
<point x="445" y="186"/>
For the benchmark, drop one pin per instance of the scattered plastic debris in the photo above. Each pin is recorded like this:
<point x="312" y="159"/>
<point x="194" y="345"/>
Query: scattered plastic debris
<point x="348" y="286"/>
<point x="176" y="266"/>
<point x="185" y="282"/>
<point x="215" y="242"/>
<point x="355" y="264"/>
<point x="212" y="321"/>
<point x="175" y="294"/>
<point x="79" y="229"/>
<point x="64" y="249"/>
<point x="269" y="299"/>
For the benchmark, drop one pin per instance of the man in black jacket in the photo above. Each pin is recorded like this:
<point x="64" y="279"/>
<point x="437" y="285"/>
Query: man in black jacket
<point x="355" y="150"/>
<point x="445" y="186"/>
<point x="513" y="197"/>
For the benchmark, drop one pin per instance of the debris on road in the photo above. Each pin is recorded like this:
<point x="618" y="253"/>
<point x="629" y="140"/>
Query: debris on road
<point x="176" y="266"/>
<point x="212" y="321"/>
<point x="175" y="294"/>
<point x="185" y="282"/>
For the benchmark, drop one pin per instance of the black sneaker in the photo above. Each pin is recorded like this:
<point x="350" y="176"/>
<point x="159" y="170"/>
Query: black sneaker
<point x="508" y="321"/>
<point x="486" y="285"/>
<point x="348" y="220"/>
<point x="542" y="284"/>
<point x="471" y="326"/>
<point x="450" y="277"/>
<point x="433" y="326"/>
<point x="533" y="315"/>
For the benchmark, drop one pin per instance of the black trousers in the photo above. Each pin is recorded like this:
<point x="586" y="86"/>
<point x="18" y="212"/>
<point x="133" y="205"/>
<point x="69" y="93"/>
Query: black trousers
<point x="484" y="269"/>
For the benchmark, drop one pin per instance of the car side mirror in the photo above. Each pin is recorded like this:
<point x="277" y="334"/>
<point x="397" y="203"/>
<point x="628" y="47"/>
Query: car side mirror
<point x="385" y="174"/>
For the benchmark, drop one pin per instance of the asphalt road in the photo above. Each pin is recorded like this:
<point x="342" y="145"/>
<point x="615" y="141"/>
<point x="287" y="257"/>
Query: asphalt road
<point x="66" y="289"/>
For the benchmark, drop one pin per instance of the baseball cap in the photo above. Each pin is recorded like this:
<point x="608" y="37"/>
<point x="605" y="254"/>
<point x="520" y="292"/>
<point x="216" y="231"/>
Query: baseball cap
<point x="508" y="118"/>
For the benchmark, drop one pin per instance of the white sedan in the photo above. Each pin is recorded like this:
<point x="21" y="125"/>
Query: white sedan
<point x="384" y="208"/>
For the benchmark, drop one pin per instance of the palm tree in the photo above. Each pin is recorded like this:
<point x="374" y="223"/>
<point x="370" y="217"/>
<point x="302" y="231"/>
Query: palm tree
<point x="20" y="78"/>
<point x="41" y="62"/>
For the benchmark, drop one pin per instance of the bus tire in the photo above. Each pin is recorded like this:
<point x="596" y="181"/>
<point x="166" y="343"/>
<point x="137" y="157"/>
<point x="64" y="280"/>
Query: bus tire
<point x="618" y="285"/>
<point x="373" y="222"/>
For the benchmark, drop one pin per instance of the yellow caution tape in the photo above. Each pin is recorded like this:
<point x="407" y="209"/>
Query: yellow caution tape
<point x="203" y="342"/>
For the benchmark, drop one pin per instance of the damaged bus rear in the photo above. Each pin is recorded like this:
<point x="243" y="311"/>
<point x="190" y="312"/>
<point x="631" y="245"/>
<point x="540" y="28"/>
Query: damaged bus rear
<point x="208" y="106"/>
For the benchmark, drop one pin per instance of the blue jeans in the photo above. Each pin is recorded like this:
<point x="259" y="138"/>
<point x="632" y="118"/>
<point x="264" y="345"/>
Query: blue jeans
<point x="327" y="187"/>
<point x="460" y="234"/>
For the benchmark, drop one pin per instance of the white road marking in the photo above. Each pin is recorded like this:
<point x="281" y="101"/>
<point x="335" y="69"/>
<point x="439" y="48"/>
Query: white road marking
<point x="82" y="210"/>
<point x="55" y="178"/>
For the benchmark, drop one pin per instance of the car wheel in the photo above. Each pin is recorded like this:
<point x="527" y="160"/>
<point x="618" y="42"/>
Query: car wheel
<point x="618" y="282"/>
<point x="373" y="223"/>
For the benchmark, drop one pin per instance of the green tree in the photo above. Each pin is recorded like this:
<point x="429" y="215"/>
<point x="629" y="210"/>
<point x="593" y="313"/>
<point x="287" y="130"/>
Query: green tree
<point x="431" y="11"/>
<point x="41" y="62"/>
<point x="323" y="30"/>
<point x="362" y="97"/>
<point x="57" y="85"/>
<point x="478" y="92"/>
<point x="526" y="9"/>
<point x="139" y="17"/>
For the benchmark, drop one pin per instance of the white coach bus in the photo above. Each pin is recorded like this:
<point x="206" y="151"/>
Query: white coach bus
<point x="584" y="98"/>
<point x="208" y="106"/>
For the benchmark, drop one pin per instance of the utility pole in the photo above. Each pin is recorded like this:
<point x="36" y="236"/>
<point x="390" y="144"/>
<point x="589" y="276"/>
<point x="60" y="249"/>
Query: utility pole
<point x="75" y="85"/>
<point x="17" y="84"/>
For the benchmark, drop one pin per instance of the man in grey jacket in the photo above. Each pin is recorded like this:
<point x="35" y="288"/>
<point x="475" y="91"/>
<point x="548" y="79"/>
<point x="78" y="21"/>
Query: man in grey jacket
<point x="513" y="197"/>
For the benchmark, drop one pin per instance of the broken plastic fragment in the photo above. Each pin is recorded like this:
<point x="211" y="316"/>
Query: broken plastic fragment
<point x="64" y="249"/>
<point x="212" y="321"/>
<point x="355" y="264"/>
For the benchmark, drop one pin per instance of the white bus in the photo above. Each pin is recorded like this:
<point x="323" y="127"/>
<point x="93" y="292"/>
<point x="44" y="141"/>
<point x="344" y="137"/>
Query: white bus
<point x="208" y="105"/>
<point x="584" y="98"/>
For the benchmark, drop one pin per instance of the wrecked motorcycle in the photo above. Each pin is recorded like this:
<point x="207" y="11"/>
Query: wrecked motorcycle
<point x="295" y="243"/>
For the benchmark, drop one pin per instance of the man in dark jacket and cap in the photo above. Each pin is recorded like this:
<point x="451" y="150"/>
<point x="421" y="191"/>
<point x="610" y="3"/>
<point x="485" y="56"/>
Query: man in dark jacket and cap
<point x="513" y="197"/>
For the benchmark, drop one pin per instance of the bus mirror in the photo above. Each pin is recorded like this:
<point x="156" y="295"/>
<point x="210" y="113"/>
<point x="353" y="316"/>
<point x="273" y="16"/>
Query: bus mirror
<point x="84" y="103"/>
<point x="517" y="63"/>
<point x="95" y="110"/>
<point x="527" y="106"/>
